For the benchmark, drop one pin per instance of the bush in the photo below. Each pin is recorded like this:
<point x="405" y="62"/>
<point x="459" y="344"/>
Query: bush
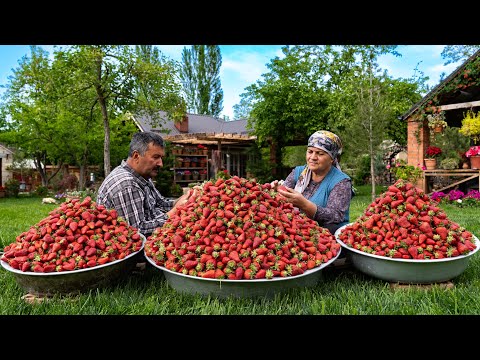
<point x="12" y="187"/>
<point x="41" y="191"/>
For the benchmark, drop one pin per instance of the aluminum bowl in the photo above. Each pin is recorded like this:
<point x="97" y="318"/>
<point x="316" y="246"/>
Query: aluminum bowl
<point x="223" y="288"/>
<point x="407" y="271"/>
<point x="75" y="281"/>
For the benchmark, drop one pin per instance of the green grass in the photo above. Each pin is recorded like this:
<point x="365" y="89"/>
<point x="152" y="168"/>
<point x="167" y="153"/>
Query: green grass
<point x="346" y="292"/>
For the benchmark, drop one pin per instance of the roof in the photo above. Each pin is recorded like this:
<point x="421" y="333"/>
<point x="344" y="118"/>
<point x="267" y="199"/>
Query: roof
<point x="202" y="129"/>
<point x="452" y="97"/>
<point x="4" y="150"/>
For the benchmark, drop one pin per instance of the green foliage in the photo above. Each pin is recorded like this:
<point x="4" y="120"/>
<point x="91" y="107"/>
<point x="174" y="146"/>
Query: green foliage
<point x="12" y="187"/>
<point x="175" y="190"/>
<point x="449" y="163"/>
<point x="452" y="143"/>
<point x="200" y="76"/>
<point x="362" y="170"/>
<point x="401" y="170"/>
<point x="258" y="165"/>
<point x="294" y="155"/>
<point x="165" y="177"/>
<point x="41" y="191"/>
<point x="455" y="53"/>
<point x="471" y="125"/>
<point x="73" y="109"/>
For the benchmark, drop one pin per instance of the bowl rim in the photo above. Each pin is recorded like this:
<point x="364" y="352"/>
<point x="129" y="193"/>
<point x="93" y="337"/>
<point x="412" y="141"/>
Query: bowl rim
<point x="418" y="261"/>
<point x="60" y="273"/>
<point x="243" y="281"/>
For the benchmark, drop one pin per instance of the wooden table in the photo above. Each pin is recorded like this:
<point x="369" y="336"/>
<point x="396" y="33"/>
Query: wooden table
<point x="466" y="174"/>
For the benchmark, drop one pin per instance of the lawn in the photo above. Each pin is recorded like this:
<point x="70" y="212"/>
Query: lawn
<point x="340" y="292"/>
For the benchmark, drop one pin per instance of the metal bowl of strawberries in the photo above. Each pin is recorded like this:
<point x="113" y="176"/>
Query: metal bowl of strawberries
<point x="245" y="288"/>
<point x="402" y="267"/>
<point x="74" y="281"/>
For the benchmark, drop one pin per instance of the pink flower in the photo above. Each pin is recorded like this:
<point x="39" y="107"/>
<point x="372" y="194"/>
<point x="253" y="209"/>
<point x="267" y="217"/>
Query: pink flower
<point x="473" y="151"/>
<point x="388" y="166"/>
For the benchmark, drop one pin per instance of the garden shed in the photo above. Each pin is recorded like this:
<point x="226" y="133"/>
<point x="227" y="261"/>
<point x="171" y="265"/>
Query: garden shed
<point x="226" y="142"/>
<point x="453" y="98"/>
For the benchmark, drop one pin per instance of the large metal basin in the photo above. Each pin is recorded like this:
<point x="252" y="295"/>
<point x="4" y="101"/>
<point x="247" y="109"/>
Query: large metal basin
<point x="75" y="281"/>
<point x="407" y="271"/>
<point x="223" y="288"/>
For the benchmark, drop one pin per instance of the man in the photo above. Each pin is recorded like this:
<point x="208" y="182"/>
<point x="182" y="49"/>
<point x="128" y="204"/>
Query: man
<point x="129" y="188"/>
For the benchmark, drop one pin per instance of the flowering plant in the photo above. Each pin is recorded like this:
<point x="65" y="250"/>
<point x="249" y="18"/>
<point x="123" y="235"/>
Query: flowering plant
<point x="435" y="120"/>
<point x="200" y="146"/>
<point x="203" y="172"/>
<point x="473" y="151"/>
<point x="458" y="198"/>
<point x="403" y="171"/>
<point x="187" y="172"/>
<point x="433" y="152"/>
<point x="223" y="174"/>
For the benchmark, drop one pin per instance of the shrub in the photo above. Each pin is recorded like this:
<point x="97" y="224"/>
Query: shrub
<point x="12" y="187"/>
<point x="41" y="190"/>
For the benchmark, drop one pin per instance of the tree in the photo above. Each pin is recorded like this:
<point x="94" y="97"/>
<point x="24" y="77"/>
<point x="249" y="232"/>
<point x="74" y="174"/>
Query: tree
<point x="124" y="81"/>
<point x="85" y="91"/>
<point x="332" y="88"/>
<point x="30" y="112"/>
<point x="454" y="53"/>
<point x="200" y="77"/>
<point x="243" y="108"/>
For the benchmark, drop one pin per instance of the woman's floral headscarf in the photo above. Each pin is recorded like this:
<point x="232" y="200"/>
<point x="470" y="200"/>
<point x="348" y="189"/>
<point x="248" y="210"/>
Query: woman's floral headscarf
<point x="328" y="142"/>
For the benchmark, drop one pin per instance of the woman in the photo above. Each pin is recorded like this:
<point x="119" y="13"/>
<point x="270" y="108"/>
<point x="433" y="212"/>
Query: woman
<point x="320" y="189"/>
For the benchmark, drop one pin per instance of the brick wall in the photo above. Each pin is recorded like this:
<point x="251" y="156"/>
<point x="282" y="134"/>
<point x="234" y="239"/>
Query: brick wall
<point x="417" y="142"/>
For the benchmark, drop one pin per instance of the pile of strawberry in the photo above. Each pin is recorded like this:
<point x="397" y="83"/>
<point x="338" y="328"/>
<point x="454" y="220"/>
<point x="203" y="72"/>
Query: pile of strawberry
<point x="237" y="229"/>
<point x="78" y="234"/>
<point x="404" y="223"/>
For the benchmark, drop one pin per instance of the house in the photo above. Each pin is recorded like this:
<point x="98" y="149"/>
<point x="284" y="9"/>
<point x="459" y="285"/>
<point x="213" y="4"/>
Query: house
<point x="226" y="141"/>
<point x="457" y="93"/>
<point x="6" y="161"/>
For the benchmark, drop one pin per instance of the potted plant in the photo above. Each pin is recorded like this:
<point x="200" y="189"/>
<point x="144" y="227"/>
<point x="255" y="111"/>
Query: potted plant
<point x="471" y="126"/>
<point x="474" y="155"/>
<point x="203" y="174"/>
<point x="401" y="170"/>
<point x="449" y="164"/>
<point x="202" y="149"/>
<point x="437" y="122"/>
<point x="177" y="149"/>
<point x="431" y="155"/>
<point x="195" y="174"/>
<point x="187" y="174"/>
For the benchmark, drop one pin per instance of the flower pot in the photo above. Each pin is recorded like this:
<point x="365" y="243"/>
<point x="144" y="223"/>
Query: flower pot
<point x="430" y="164"/>
<point x="465" y="165"/>
<point x="203" y="177"/>
<point x="438" y="129"/>
<point x="195" y="177"/>
<point x="475" y="162"/>
<point x="187" y="177"/>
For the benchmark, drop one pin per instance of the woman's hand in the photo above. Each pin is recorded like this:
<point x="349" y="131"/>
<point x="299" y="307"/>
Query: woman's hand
<point x="292" y="196"/>
<point x="298" y="200"/>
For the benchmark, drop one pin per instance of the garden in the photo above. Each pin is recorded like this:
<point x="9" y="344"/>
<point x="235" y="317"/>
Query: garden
<point x="339" y="292"/>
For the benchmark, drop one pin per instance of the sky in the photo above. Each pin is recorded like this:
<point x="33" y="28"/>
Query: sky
<point x="243" y="65"/>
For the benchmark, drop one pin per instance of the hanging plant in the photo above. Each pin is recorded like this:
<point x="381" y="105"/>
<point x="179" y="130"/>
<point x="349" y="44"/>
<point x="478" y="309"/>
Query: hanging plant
<point x="471" y="125"/>
<point x="437" y="120"/>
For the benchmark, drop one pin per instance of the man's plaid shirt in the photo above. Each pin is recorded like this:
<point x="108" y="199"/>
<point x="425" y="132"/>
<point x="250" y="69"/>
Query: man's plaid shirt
<point x="135" y="199"/>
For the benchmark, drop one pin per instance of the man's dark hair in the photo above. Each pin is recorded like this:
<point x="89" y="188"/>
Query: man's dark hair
<point x="140" y="141"/>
